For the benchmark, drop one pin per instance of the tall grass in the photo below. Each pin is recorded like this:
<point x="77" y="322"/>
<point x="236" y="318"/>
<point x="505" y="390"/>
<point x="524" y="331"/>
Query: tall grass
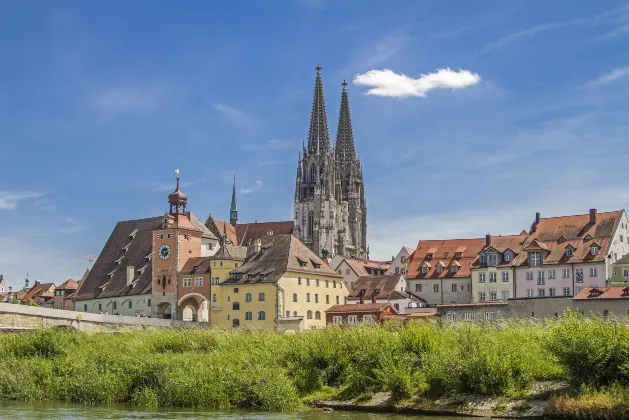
<point x="277" y="372"/>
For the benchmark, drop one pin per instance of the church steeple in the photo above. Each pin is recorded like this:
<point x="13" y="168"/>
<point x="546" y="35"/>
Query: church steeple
<point x="233" y="211"/>
<point x="318" y="136"/>
<point x="344" y="150"/>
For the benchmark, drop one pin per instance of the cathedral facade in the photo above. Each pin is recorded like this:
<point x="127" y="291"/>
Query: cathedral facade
<point x="330" y="206"/>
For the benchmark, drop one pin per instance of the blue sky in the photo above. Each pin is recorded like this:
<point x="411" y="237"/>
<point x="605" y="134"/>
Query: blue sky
<point x="101" y="101"/>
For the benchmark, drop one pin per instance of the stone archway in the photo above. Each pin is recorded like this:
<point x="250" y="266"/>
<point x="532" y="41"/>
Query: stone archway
<point x="193" y="307"/>
<point x="164" y="310"/>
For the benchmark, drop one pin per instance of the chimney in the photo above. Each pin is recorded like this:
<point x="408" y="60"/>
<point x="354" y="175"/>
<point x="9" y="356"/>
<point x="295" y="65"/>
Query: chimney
<point x="537" y="218"/>
<point x="130" y="274"/>
<point x="374" y="295"/>
<point x="257" y="245"/>
<point x="487" y="239"/>
<point x="593" y="216"/>
<point x="362" y="295"/>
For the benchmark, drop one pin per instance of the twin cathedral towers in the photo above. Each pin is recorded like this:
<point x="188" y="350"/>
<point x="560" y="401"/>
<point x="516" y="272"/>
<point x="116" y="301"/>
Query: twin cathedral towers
<point x="330" y="206"/>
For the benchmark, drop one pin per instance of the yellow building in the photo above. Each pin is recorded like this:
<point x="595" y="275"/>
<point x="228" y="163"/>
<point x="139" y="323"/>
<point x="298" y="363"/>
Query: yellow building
<point x="493" y="272"/>
<point x="282" y="285"/>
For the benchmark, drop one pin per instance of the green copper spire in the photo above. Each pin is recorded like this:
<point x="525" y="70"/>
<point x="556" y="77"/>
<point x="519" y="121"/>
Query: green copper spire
<point x="233" y="212"/>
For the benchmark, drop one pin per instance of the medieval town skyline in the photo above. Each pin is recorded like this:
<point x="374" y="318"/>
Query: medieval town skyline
<point x="450" y="113"/>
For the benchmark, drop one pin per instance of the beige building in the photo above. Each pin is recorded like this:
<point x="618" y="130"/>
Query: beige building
<point x="493" y="272"/>
<point x="352" y="268"/>
<point x="620" y="272"/>
<point x="282" y="285"/>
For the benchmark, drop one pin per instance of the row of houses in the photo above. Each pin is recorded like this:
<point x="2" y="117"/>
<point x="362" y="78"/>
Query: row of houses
<point x="46" y="295"/>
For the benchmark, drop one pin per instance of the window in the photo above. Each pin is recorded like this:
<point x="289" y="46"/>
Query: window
<point x="468" y="316"/>
<point x="327" y="283"/>
<point x="595" y="251"/>
<point x="287" y="314"/>
<point x="625" y="272"/>
<point x="397" y="271"/>
<point x="429" y="256"/>
<point x="492" y="277"/>
<point x="541" y="280"/>
<point x="337" y="320"/>
<point x="566" y="274"/>
<point x="454" y="287"/>
<point x="317" y="282"/>
<point x="505" y="276"/>
<point x="261" y="296"/>
<point x="403" y="270"/>
<point x="621" y="238"/>
<point x="236" y="306"/>
<point x="130" y="305"/>
<point x="171" y="235"/>
<point x="115" y="305"/>
<point x="453" y="268"/>
<point x="187" y="282"/>
<point x="569" y="252"/>
<point x="551" y="275"/>
<point x="294" y="313"/>
<point x="339" y="272"/>
<point x="261" y="316"/>
<point x="327" y="299"/>
<point x="294" y="297"/>
<point x="505" y="295"/>
<point x="299" y="281"/>
<point x="424" y="270"/>
<point x="439" y="269"/>
<point x="435" y="288"/>
<point x="368" y="319"/>
<point x="541" y="292"/>
<point x="403" y="258"/>
<point x="493" y="295"/>
<point x="301" y="263"/>
<point x="309" y="314"/>
<point x="469" y="287"/>
<point x="352" y="319"/>
<point x="307" y="282"/>
<point x="235" y="290"/>
<point x="236" y="322"/>
<point x="215" y="280"/>
<point x="334" y="284"/>
<point x="160" y="236"/>
<point x="483" y="258"/>
<point x="198" y="282"/>
<point x="307" y="297"/>
<point x="535" y="259"/>
<point x="85" y="308"/>
<point x="248" y="297"/>
<point x="347" y="271"/>
<point x="551" y="292"/>
<point x="418" y="287"/>
<point x="593" y="272"/>
<point x="481" y="278"/>
<point x="529" y="293"/>
<point x="579" y="275"/>
<point x="248" y="316"/>
<point x="490" y="316"/>
<point x="316" y="298"/>
<point x="337" y="300"/>
<point x="214" y="297"/>
<point x="482" y="297"/>
<point x="508" y="256"/>
<point x="148" y="302"/>
<point x="529" y="275"/>
<point x="492" y="260"/>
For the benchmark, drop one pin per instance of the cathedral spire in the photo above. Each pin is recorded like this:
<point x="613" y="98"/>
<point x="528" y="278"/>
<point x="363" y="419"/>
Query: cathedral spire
<point x="344" y="149"/>
<point x="318" y="136"/>
<point x="233" y="211"/>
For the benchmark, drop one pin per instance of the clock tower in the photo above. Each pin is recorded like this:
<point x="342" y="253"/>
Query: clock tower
<point x="175" y="240"/>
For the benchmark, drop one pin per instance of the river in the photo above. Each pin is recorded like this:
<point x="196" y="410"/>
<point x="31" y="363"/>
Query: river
<point x="52" y="411"/>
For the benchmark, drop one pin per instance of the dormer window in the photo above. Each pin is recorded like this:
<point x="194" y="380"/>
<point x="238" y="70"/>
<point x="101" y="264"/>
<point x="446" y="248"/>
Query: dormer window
<point x="453" y="269"/>
<point x="595" y="293"/>
<point x="458" y="255"/>
<point x="439" y="269"/>
<point x="429" y="256"/>
<point x="301" y="263"/>
<point x="445" y="255"/>
<point x="492" y="260"/>
<point x="594" y="250"/>
<point x="132" y="234"/>
<point x="535" y="259"/>
<point x="424" y="270"/>
<point x="569" y="251"/>
<point x="508" y="256"/>
<point x="316" y="265"/>
<point x="483" y="259"/>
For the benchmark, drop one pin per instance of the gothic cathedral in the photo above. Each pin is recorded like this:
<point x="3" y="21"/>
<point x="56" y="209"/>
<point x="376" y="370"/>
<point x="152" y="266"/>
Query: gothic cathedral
<point x="330" y="206"/>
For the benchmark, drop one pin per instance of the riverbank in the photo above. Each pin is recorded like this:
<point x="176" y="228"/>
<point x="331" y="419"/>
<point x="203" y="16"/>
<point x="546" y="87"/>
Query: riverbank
<point x="420" y="365"/>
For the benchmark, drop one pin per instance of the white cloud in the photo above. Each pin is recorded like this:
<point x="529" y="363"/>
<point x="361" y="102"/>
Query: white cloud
<point x="249" y="190"/>
<point x="270" y="145"/>
<point x="609" y="77"/>
<point x="236" y="116"/>
<point x="9" y="200"/>
<point x="129" y="99"/>
<point x="391" y="84"/>
<point x="613" y="34"/>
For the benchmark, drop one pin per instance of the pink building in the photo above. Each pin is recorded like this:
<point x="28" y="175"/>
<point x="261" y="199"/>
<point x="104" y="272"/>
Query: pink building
<point x="563" y="255"/>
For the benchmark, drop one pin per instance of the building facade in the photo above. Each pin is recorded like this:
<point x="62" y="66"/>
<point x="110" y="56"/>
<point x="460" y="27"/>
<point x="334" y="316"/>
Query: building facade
<point x="352" y="268"/>
<point x="620" y="272"/>
<point x="361" y="313"/>
<point x="330" y="207"/>
<point x="398" y="263"/>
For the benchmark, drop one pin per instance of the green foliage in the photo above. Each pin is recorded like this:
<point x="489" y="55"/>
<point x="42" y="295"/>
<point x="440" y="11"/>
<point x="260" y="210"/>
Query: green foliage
<point x="279" y="372"/>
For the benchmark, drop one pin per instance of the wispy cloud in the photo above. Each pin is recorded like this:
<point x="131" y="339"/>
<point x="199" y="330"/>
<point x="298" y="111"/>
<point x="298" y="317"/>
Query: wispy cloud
<point x="236" y="116"/>
<point x="72" y="226"/>
<point x="546" y="27"/>
<point x="168" y="186"/>
<point x="609" y="77"/>
<point x="395" y="85"/>
<point x="613" y="33"/>
<point x="376" y="53"/>
<point x="249" y="190"/>
<point x="270" y="145"/>
<point x="129" y="100"/>
<point x="9" y="200"/>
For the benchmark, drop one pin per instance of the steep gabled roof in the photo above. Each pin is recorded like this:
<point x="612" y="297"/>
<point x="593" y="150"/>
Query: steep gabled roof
<point x="37" y="290"/>
<point x="68" y="285"/>
<point x="603" y="293"/>
<point x="362" y="267"/>
<point x="501" y="244"/>
<point x="247" y="233"/>
<point x="97" y="284"/>
<point x="439" y="248"/>
<point x="387" y="285"/>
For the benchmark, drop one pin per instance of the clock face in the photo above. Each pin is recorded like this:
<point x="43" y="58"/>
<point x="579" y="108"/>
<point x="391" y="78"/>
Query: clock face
<point x="164" y="252"/>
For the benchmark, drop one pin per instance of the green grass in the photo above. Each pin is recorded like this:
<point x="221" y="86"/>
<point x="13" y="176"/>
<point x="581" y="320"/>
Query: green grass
<point x="282" y="372"/>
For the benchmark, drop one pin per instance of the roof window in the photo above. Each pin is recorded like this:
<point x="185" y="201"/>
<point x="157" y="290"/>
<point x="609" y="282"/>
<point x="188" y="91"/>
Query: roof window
<point x="132" y="234"/>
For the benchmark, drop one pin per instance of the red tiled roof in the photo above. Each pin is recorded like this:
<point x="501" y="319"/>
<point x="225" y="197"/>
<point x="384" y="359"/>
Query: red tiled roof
<point x="606" y="293"/>
<point x="360" y="266"/>
<point x="229" y="230"/>
<point x="501" y="244"/>
<point x="249" y="232"/>
<point x="360" y="307"/>
<point x="439" y="248"/>
<point x="37" y="289"/>
<point x="386" y="284"/>
<point x="578" y="232"/>
<point x="68" y="285"/>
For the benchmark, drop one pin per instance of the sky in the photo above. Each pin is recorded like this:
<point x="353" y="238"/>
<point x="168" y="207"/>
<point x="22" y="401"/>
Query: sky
<point x="469" y="116"/>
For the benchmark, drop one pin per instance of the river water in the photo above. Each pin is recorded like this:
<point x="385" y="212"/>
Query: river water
<point x="50" y="411"/>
